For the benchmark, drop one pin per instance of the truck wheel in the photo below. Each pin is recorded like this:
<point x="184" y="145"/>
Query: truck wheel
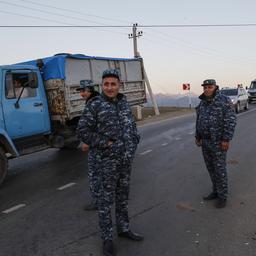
<point x="3" y="165"/>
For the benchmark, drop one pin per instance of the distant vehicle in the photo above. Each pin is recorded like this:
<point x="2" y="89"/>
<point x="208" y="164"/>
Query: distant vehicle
<point x="238" y="96"/>
<point x="252" y="91"/>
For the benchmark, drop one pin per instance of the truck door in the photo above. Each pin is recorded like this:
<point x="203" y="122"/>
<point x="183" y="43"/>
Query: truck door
<point x="29" y="116"/>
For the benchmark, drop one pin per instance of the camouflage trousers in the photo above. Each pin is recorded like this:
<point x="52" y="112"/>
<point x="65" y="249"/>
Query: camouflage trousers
<point x="93" y="177"/>
<point x="112" y="187"/>
<point x="215" y="160"/>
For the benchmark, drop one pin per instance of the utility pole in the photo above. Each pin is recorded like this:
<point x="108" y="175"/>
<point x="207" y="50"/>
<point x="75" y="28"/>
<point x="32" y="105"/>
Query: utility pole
<point x="189" y="98"/>
<point x="135" y="34"/>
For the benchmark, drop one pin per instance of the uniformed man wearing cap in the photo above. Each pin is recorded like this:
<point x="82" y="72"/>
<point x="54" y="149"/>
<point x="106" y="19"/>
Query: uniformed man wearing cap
<point x="215" y="126"/>
<point x="88" y="93"/>
<point x="108" y="128"/>
<point x="87" y="90"/>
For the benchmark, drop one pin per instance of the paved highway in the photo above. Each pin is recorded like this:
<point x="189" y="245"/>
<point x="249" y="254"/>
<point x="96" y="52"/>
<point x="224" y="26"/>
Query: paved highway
<point x="41" y="202"/>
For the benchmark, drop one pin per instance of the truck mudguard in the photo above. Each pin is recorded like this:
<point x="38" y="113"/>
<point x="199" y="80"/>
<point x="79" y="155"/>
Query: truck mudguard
<point x="7" y="144"/>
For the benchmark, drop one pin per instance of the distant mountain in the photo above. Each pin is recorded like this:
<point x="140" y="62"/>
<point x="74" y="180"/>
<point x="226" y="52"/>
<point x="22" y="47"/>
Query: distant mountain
<point x="176" y="100"/>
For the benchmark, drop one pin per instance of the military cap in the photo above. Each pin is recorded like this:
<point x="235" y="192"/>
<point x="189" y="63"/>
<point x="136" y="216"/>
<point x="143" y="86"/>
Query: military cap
<point x="209" y="82"/>
<point x="111" y="73"/>
<point x="86" y="85"/>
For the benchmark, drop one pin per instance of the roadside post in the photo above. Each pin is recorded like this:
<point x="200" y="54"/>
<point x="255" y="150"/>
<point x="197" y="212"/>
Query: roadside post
<point x="186" y="87"/>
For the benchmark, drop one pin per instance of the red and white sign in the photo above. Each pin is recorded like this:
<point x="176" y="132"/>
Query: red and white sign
<point x="186" y="86"/>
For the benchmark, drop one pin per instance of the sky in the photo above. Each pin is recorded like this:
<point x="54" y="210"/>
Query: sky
<point x="172" y="56"/>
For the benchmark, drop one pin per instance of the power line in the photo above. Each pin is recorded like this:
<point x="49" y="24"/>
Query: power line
<point x="51" y="13"/>
<point x="198" y="25"/>
<point x="196" y="51"/>
<point x="201" y="48"/>
<point x="73" y="11"/>
<point x="130" y="26"/>
<point x="29" y="16"/>
<point x="70" y="25"/>
<point x="60" y="15"/>
<point x="55" y="26"/>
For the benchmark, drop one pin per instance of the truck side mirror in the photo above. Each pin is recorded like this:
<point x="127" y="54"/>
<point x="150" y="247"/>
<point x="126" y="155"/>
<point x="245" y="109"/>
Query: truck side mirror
<point x="32" y="80"/>
<point x="246" y="88"/>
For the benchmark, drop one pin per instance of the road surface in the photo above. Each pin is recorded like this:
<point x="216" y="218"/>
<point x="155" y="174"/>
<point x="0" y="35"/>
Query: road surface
<point x="41" y="202"/>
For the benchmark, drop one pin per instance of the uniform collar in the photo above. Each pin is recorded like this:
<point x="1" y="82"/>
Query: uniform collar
<point x="94" y="94"/>
<point x="215" y="96"/>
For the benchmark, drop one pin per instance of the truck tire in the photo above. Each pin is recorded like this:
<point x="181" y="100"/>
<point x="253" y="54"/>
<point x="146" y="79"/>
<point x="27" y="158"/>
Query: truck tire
<point x="3" y="165"/>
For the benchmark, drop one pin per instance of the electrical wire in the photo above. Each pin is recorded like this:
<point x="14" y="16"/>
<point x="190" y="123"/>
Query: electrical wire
<point x="201" y="50"/>
<point x="196" y="51"/>
<point x="74" y="11"/>
<point x="130" y="26"/>
<point x="51" y="13"/>
<point x="51" y="20"/>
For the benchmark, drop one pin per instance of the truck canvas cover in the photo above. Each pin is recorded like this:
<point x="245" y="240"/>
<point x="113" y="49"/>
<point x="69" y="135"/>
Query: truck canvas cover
<point x="62" y="74"/>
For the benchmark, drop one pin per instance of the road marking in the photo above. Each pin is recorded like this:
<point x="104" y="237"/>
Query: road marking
<point x="246" y="112"/>
<point x="67" y="186"/>
<point x="146" y="152"/>
<point x="14" y="208"/>
<point x="190" y="133"/>
<point x="164" y="144"/>
<point x="177" y="138"/>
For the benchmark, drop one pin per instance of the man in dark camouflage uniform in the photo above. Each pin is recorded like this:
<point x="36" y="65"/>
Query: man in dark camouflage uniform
<point x="215" y="125"/>
<point x="108" y="128"/>
<point x="88" y="93"/>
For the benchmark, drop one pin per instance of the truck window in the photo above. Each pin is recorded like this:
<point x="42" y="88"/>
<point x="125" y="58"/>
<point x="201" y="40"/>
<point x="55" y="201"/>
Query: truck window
<point x="14" y="83"/>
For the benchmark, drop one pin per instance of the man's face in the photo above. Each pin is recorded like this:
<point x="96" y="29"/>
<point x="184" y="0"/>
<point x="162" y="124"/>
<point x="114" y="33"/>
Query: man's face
<point x="16" y="84"/>
<point x="85" y="94"/>
<point x="209" y="90"/>
<point x="110" y="86"/>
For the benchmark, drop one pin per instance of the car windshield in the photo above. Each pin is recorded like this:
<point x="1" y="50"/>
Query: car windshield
<point x="229" y="92"/>
<point x="253" y="85"/>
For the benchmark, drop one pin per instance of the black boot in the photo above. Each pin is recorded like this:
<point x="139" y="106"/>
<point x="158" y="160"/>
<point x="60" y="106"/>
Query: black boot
<point x="90" y="207"/>
<point x="221" y="203"/>
<point x="130" y="235"/>
<point x="211" y="196"/>
<point x="108" y="248"/>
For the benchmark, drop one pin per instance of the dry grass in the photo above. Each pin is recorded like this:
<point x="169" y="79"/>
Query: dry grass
<point x="148" y="114"/>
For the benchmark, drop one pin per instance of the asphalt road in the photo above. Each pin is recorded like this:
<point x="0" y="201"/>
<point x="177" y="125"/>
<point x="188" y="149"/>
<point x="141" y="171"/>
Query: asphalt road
<point x="41" y="202"/>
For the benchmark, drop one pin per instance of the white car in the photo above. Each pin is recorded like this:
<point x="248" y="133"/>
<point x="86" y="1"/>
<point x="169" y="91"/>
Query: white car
<point x="252" y="91"/>
<point x="238" y="96"/>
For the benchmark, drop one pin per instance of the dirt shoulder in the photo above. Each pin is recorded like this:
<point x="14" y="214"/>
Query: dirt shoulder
<point x="148" y="114"/>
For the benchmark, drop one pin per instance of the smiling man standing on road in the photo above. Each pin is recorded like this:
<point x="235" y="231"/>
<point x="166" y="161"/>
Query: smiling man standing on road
<point x="108" y="128"/>
<point x="215" y="126"/>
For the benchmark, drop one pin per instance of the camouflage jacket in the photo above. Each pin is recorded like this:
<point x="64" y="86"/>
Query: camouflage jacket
<point x="105" y="120"/>
<point x="216" y="118"/>
<point x="93" y="95"/>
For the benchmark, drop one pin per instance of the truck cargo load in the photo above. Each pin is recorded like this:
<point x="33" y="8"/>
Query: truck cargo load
<point x="62" y="74"/>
